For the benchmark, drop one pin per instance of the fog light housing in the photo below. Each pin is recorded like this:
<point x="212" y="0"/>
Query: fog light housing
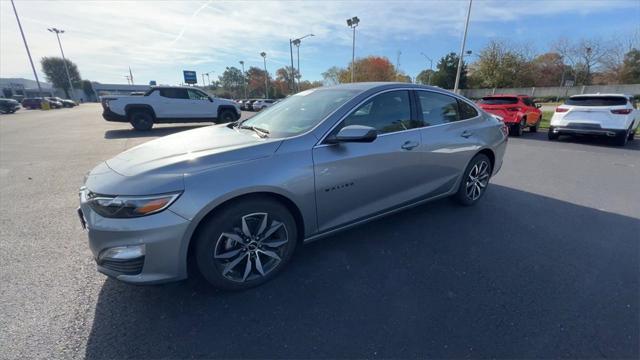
<point x="122" y="253"/>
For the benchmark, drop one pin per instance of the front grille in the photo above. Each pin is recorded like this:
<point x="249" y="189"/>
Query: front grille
<point x="126" y="267"/>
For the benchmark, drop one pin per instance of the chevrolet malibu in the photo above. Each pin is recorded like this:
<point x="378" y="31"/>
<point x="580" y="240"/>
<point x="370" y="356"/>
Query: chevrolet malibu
<point x="235" y="200"/>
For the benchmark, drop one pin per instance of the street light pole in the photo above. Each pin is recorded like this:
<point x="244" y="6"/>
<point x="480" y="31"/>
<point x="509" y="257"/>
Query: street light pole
<point x="266" y="75"/>
<point x="464" y="40"/>
<point x="244" y="80"/>
<point x="353" y="23"/>
<point x="296" y="42"/>
<point x="64" y="60"/>
<point x="35" y="74"/>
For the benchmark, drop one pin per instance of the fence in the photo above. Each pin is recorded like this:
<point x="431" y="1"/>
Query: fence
<point x="556" y="91"/>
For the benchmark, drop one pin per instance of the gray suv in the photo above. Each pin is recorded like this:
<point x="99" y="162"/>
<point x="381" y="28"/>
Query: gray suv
<point x="235" y="200"/>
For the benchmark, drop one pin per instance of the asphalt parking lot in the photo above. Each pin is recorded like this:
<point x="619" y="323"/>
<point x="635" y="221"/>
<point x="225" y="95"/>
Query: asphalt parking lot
<point x="546" y="266"/>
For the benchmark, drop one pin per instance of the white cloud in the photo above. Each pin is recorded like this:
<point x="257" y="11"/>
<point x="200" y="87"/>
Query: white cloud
<point x="160" y="38"/>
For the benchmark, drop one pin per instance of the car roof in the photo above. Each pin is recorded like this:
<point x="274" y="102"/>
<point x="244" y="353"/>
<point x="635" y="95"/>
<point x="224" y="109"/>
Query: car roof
<point x="379" y="84"/>
<point x="618" y="95"/>
<point x="506" y="95"/>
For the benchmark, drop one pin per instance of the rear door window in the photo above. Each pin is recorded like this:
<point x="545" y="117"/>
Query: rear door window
<point x="596" y="101"/>
<point x="438" y="108"/>
<point x="466" y="111"/>
<point x="499" y="100"/>
<point x="174" y="93"/>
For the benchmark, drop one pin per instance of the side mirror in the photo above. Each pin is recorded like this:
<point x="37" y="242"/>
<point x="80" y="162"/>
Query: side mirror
<point x="354" y="133"/>
<point x="538" y="106"/>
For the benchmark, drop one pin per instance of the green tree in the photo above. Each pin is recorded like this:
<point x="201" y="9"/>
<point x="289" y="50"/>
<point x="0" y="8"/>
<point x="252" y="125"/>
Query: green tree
<point x="88" y="89"/>
<point x="232" y="82"/>
<point x="54" y="71"/>
<point x="255" y="82"/>
<point x="501" y="66"/>
<point x="425" y="77"/>
<point x="630" y="73"/>
<point x="445" y="76"/>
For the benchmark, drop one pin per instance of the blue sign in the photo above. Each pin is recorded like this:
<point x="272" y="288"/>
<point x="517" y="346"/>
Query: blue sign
<point x="190" y="77"/>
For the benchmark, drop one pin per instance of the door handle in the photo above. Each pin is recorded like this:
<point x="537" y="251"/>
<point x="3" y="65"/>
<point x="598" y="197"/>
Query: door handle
<point x="466" y="134"/>
<point x="409" y="145"/>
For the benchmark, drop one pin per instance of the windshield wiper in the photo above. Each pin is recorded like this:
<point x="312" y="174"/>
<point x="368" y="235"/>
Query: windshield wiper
<point x="263" y="133"/>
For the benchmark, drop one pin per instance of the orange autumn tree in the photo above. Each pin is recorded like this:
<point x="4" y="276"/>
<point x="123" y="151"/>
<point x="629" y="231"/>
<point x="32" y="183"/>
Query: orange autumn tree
<point x="371" y="68"/>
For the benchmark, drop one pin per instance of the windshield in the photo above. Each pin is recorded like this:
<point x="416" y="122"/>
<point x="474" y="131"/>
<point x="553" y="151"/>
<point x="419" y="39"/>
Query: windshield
<point x="300" y="112"/>
<point x="499" y="100"/>
<point x="597" y="101"/>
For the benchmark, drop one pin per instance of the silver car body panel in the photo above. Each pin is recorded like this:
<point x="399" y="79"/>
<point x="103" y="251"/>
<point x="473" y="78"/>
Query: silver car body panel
<point x="329" y="187"/>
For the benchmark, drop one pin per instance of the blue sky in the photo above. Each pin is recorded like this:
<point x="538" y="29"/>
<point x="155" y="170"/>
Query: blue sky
<point x="159" y="39"/>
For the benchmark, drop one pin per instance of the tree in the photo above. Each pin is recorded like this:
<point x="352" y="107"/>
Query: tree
<point x="332" y="75"/>
<point x="502" y="65"/>
<point x="232" y="82"/>
<point x="255" y="81"/>
<point x="445" y="76"/>
<point x="54" y="71"/>
<point x="425" y="77"/>
<point x="87" y="88"/>
<point x="550" y="69"/>
<point x="584" y="57"/>
<point x="630" y="73"/>
<point x="371" y="68"/>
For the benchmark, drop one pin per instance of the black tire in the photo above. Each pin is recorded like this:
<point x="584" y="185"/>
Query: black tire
<point x="211" y="242"/>
<point x="551" y="135"/>
<point x="622" y="138"/>
<point x="534" y="128"/>
<point x="226" y="116"/>
<point x="141" y="120"/>
<point x="471" y="191"/>
<point x="517" y="129"/>
<point x="632" y="135"/>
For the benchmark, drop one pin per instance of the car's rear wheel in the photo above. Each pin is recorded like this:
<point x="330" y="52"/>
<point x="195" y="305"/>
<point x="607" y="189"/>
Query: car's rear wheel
<point x="534" y="128"/>
<point x="475" y="180"/>
<point x="516" y="129"/>
<point x="246" y="243"/>
<point x="141" y="120"/>
<point x="632" y="135"/>
<point x="622" y="138"/>
<point x="552" y="135"/>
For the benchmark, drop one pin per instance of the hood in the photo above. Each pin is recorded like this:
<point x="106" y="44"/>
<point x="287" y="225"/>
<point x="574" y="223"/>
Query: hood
<point x="192" y="151"/>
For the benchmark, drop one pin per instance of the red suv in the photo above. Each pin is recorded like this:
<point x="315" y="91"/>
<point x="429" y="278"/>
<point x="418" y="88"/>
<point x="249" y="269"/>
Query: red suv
<point x="517" y="111"/>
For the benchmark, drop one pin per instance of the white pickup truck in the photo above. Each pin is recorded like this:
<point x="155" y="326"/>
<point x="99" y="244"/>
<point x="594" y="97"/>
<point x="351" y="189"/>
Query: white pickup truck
<point x="169" y="104"/>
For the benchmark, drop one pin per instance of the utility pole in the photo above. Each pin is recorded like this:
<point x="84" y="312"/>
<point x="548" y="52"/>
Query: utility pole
<point x="266" y="75"/>
<point x="292" y="81"/>
<point x="464" y="40"/>
<point x="131" y="75"/>
<point x="244" y="80"/>
<point x="296" y="42"/>
<point x="430" y="66"/>
<point x="35" y="74"/>
<point x="353" y="23"/>
<point x="64" y="60"/>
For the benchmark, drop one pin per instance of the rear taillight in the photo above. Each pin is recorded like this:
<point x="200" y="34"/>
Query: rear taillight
<point x="559" y="109"/>
<point x="621" y="111"/>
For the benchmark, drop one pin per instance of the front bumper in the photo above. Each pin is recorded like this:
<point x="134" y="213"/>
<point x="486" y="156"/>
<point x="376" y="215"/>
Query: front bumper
<point x="594" y="130"/>
<point x="109" y="115"/>
<point x="116" y="244"/>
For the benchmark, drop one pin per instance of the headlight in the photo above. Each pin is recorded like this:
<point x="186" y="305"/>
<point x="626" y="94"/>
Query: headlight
<point x="130" y="206"/>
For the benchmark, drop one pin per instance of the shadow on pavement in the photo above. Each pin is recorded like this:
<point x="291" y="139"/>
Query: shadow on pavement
<point x="585" y="140"/>
<point x="154" y="132"/>
<point x="520" y="275"/>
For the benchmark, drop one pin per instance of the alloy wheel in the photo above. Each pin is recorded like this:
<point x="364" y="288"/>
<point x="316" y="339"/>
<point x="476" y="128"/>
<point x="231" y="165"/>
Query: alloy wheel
<point x="252" y="250"/>
<point x="477" y="180"/>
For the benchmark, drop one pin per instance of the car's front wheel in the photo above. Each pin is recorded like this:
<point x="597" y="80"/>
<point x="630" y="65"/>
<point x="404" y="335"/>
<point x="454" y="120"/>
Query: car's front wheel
<point x="475" y="180"/>
<point x="246" y="243"/>
<point x="227" y="116"/>
<point x="517" y="129"/>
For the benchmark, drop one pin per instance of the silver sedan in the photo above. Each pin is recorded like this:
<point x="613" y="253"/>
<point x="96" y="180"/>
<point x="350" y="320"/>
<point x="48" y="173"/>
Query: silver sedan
<point x="235" y="200"/>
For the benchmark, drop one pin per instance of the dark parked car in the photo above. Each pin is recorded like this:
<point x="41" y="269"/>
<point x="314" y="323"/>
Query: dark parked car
<point x="32" y="103"/>
<point x="65" y="102"/>
<point x="54" y="103"/>
<point x="9" y="106"/>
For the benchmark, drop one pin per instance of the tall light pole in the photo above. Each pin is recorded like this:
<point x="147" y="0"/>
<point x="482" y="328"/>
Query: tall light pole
<point x="266" y="75"/>
<point x="35" y="74"/>
<point x="244" y="80"/>
<point x="464" y="40"/>
<point x="64" y="60"/>
<point x="296" y="42"/>
<point x="353" y="23"/>
<point x="430" y="66"/>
